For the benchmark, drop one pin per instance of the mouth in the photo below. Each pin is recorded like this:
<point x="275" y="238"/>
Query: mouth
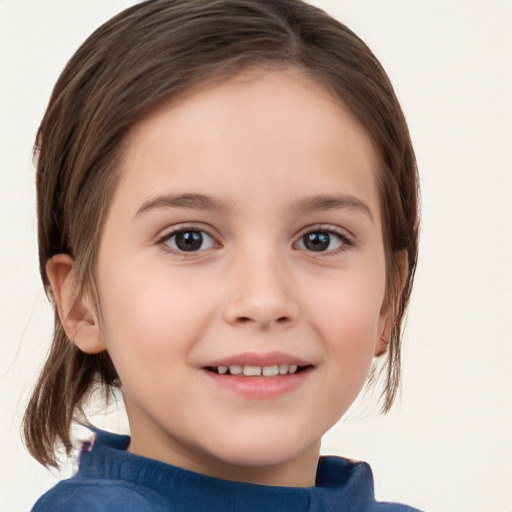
<point x="259" y="376"/>
<point x="275" y="370"/>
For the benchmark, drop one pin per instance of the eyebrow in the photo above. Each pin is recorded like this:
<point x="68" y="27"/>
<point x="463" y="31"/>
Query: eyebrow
<point x="322" y="203"/>
<point x="193" y="201"/>
<point x="319" y="203"/>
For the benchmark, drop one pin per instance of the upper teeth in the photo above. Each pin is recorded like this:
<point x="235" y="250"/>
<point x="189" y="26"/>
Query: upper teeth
<point x="250" y="371"/>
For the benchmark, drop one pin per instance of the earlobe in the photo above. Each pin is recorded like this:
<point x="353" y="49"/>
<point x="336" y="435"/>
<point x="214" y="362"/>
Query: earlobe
<point x="388" y="313"/>
<point x="381" y="347"/>
<point x="75" y="310"/>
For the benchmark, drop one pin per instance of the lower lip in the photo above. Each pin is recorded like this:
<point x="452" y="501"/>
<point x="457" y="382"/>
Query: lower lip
<point x="260" y="388"/>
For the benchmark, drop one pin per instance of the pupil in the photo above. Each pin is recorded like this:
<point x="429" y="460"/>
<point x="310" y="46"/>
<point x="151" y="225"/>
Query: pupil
<point x="316" y="241"/>
<point x="189" y="240"/>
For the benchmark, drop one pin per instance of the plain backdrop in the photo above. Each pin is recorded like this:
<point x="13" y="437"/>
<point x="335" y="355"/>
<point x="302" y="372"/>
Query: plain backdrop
<point x="447" y="444"/>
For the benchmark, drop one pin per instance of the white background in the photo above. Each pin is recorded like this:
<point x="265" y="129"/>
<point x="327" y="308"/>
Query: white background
<point x="447" y="445"/>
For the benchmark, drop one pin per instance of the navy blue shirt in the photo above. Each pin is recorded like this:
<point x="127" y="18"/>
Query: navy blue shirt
<point x="114" y="480"/>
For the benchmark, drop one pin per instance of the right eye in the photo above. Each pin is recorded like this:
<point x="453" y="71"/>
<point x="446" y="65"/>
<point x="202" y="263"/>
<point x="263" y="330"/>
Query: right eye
<point x="189" y="240"/>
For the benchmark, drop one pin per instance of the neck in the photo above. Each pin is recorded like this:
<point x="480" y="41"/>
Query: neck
<point x="297" y="472"/>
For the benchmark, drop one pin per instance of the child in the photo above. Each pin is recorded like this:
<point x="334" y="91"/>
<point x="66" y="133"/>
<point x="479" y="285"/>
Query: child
<point x="227" y="208"/>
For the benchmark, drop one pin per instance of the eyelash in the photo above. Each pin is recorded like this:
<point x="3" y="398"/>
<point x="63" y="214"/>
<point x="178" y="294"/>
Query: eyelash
<point x="345" y="241"/>
<point x="165" y="238"/>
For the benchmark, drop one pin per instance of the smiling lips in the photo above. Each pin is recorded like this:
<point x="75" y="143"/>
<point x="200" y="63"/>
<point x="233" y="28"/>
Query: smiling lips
<point x="259" y="376"/>
<point x="272" y="364"/>
<point x="256" y="371"/>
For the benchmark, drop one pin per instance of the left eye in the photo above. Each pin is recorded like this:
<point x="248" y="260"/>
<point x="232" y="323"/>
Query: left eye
<point x="321" y="241"/>
<point x="189" y="240"/>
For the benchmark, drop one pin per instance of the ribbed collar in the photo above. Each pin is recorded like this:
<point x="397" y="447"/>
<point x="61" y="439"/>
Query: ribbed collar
<point x="341" y="484"/>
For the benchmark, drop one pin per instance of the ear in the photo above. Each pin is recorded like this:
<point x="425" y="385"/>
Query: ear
<point x="387" y="313"/>
<point x="75" y="310"/>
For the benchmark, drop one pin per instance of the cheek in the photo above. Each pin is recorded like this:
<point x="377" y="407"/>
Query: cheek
<point x="347" y="315"/>
<point x="349" y="330"/>
<point x="350" y="301"/>
<point x="150" y="316"/>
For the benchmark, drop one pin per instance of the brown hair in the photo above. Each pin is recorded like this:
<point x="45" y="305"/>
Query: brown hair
<point x="147" y="54"/>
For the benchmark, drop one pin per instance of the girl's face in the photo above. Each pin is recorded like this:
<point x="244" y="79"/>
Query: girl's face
<point x="244" y="238"/>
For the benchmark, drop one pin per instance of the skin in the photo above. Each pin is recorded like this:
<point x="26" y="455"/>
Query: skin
<point x="260" y="145"/>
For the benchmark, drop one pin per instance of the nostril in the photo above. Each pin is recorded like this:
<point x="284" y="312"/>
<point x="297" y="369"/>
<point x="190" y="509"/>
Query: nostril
<point x="246" y="319"/>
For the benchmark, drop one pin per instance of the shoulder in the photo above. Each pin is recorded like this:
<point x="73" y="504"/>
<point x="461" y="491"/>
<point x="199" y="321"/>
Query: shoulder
<point x="75" y="495"/>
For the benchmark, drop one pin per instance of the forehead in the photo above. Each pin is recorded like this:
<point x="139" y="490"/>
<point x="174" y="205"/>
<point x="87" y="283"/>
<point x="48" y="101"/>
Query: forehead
<point x="264" y="128"/>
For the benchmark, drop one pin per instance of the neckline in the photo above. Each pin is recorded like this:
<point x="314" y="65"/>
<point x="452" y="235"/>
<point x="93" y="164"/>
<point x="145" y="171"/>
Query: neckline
<point x="339" y="481"/>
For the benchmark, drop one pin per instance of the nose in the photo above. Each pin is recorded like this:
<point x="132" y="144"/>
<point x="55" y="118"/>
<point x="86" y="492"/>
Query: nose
<point x="260" y="293"/>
